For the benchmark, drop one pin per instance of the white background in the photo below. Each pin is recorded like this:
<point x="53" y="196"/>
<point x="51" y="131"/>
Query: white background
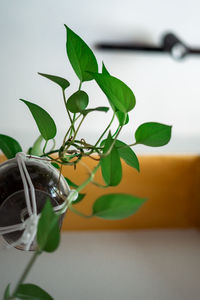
<point x="32" y="38"/>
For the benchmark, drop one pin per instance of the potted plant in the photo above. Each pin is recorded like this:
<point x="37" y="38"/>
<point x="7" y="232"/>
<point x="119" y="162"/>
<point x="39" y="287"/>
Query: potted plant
<point x="35" y="196"/>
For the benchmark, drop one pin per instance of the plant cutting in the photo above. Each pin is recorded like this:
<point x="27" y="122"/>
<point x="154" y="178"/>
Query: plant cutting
<point x="34" y="194"/>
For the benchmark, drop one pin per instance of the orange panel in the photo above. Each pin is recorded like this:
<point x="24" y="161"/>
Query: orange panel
<point x="170" y="184"/>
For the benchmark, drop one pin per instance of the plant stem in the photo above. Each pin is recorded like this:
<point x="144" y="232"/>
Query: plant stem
<point x="50" y="152"/>
<point x="75" y="133"/>
<point x="89" y="179"/>
<point x="79" y="213"/>
<point x="73" y="121"/>
<point x="77" y="117"/>
<point x="54" y="144"/>
<point x="105" y="130"/>
<point x="45" y="145"/>
<point x="79" y="88"/>
<point x="112" y="145"/>
<point x="65" y="137"/>
<point x="116" y="131"/>
<point x="26" y="271"/>
<point x="131" y="145"/>
<point x="64" y="98"/>
<point x="100" y="185"/>
<point x="84" y="184"/>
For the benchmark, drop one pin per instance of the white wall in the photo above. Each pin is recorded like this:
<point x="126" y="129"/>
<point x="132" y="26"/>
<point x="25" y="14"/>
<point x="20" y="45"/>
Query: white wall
<point x="33" y="39"/>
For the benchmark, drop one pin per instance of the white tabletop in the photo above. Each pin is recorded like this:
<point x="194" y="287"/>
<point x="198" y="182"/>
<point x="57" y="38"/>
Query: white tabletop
<point x="120" y="265"/>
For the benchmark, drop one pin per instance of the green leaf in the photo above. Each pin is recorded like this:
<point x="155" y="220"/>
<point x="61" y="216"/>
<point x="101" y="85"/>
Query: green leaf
<point x="153" y="134"/>
<point x="80" y="56"/>
<point x="81" y="196"/>
<point x="36" y="149"/>
<point x="44" y="121"/>
<point x="116" y="206"/>
<point x="123" y="118"/>
<point x="6" y="295"/>
<point x="62" y="82"/>
<point x="77" y="102"/>
<point x="127" y="154"/>
<point x="31" y="292"/>
<point x="110" y="164"/>
<point x="118" y="93"/>
<point x="72" y="184"/>
<point x="100" y="108"/>
<point x="55" y="165"/>
<point x="9" y="146"/>
<point x="48" y="233"/>
<point x="104" y="70"/>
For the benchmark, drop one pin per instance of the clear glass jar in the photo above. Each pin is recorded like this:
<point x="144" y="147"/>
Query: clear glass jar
<point x="47" y="182"/>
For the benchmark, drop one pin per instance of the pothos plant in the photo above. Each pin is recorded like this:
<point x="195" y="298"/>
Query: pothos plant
<point x="108" y="150"/>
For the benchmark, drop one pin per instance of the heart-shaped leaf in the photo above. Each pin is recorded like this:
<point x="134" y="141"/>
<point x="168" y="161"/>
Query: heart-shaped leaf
<point x="31" y="292"/>
<point x="62" y="82"/>
<point x="80" y="56"/>
<point x="48" y="232"/>
<point x="127" y="154"/>
<point x="116" y="206"/>
<point x="110" y="164"/>
<point x="44" y="121"/>
<point x="71" y="183"/>
<point x="37" y="147"/>
<point x="55" y="165"/>
<point x="77" y="102"/>
<point x="104" y="70"/>
<point x="80" y="197"/>
<point x="153" y="134"/>
<point x="122" y="117"/>
<point x="118" y="93"/>
<point x="9" y="146"/>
